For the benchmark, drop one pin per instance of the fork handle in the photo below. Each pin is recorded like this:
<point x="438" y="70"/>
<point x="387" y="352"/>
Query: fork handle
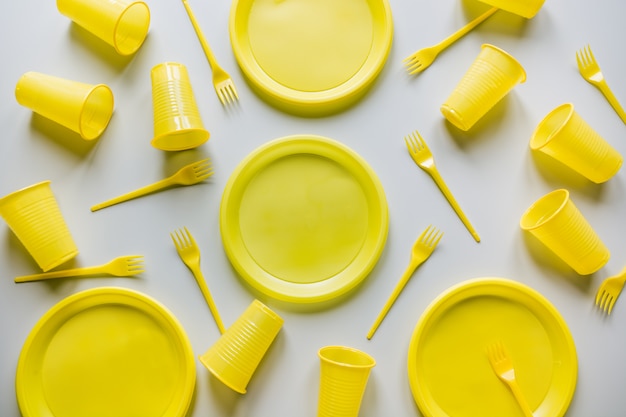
<point x="76" y="272"/>
<point x="446" y="192"/>
<point x="394" y="295"/>
<point x="521" y="399"/>
<point x="465" y="29"/>
<point x="159" y="185"/>
<point x="197" y="273"/>
<point x="205" y="45"/>
<point x="604" y="88"/>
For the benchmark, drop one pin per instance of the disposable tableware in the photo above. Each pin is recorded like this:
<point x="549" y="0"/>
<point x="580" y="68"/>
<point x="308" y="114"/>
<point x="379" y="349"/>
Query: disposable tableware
<point x="608" y="292"/>
<point x="123" y="266"/>
<point x="423" y="157"/>
<point x="422" y="249"/>
<point x="590" y="70"/>
<point x="502" y="365"/>
<point x="189" y="252"/>
<point x="224" y="85"/>
<point x="187" y="175"/>
<point x="422" y="59"/>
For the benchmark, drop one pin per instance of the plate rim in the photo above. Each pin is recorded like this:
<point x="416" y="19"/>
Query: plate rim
<point x="464" y="285"/>
<point x="319" y="291"/>
<point x="316" y="103"/>
<point x="164" y="315"/>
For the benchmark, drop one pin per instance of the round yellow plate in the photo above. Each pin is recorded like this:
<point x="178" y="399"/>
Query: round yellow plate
<point x="303" y="219"/>
<point x="449" y="372"/>
<point x="311" y="57"/>
<point x="106" y="352"/>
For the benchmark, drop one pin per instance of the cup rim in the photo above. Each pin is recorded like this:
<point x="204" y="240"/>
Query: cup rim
<point x="525" y="225"/>
<point x="535" y="144"/>
<point x="368" y="361"/>
<point x="508" y="56"/>
<point x="130" y="51"/>
<point x="3" y="200"/>
<point x="95" y="89"/>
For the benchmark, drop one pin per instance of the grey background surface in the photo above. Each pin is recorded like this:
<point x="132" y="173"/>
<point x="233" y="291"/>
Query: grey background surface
<point x="490" y="170"/>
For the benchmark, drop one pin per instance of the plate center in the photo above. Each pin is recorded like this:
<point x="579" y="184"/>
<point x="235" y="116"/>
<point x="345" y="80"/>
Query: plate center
<point x="303" y="218"/>
<point x="311" y="45"/>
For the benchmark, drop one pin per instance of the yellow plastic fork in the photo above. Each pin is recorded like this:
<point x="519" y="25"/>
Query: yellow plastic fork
<point x="503" y="367"/>
<point x="189" y="252"/>
<point x="124" y="266"/>
<point x="224" y="85"/>
<point x="423" y="157"/>
<point x="422" y="249"/>
<point x="420" y="60"/>
<point x="590" y="70"/>
<point x="187" y="175"/>
<point x="609" y="291"/>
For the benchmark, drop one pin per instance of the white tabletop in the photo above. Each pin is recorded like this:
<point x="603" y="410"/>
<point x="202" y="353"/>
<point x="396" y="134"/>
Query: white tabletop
<point x="489" y="169"/>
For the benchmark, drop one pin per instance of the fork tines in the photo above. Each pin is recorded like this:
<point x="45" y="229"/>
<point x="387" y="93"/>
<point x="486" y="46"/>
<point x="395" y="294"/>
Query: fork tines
<point x="182" y="239"/>
<point x="431" y="236"/>
<point x="415" y="142"/>
<point x="227" y="92"/>
<point x="135" y="264"/>
<point x="585" y="57"/>
<point x="203" y="169"/>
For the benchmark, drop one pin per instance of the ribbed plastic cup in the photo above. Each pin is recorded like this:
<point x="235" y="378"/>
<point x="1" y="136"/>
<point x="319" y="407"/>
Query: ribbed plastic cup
<point x="120" y="23"/>
<point x="490" y="77"/>
<point x="235" y="356"/>
<point x="524" y="8"/>
<point x="177" y="122"/>
<point x="33" y="214"/>
<point x="566" y="137"/>
<point x="559" y="225"/>
<point x="344" y="372"/>
<point x="83" y="108"/>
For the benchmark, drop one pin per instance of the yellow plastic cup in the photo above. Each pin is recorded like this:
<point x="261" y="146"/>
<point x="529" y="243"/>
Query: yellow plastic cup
<point x="566" y="137"/>
<point x="490" y="77"/>
<point x="344" y="372"/>
<point x="233" y="359"/>
<point x="120" y="23"/>
<point x="524" y="8"/>
<point x="177" y="122"/>
<point x="83" y="108"/>
<point x="560" y="226"/>
<point x="33" y="214"/>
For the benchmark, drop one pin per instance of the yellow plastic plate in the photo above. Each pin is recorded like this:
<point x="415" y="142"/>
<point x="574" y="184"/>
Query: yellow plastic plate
<point x="303" y="219"/>
<point x="449" y="372"/>
<point x="311" y="57"/>
<point x="106" y="352"/>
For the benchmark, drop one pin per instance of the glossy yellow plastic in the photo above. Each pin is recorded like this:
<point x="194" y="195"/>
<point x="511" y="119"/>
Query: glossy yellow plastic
<point x="120" y="23"/>
<point x="609" y="291"/>
<point x="106" y="352"/>
<point x="420" y="60"/>
<point x="33" y="214"/>
<point x="303" y="219"/>
<point x="311" y="57"/>
<point x="189" y="252"/>
<point x="556" y="222"/>
<point x="590" y="70"/>
<point x="449" y="372"/>
<point x="566" y="137"/>
<point x="524" y="8"/>
<point x="492" y="75"/>
<point x="223" y="84"/>
<point x="235" y="356"/>
<point x="123" y="266"/>
<point x="188" y="175"/>
<point x="83" y="108"/>
<point x="177" y="122"/>
<point x="421" y="251"/>
<point x="344" y="372"/>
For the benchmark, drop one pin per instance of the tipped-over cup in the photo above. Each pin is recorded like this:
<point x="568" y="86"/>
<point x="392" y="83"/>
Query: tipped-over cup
<point x="524" y="8"/>
<point x="33" y="214"/>
<point x="235" y="356"/>
<point x="556" y="222"/>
